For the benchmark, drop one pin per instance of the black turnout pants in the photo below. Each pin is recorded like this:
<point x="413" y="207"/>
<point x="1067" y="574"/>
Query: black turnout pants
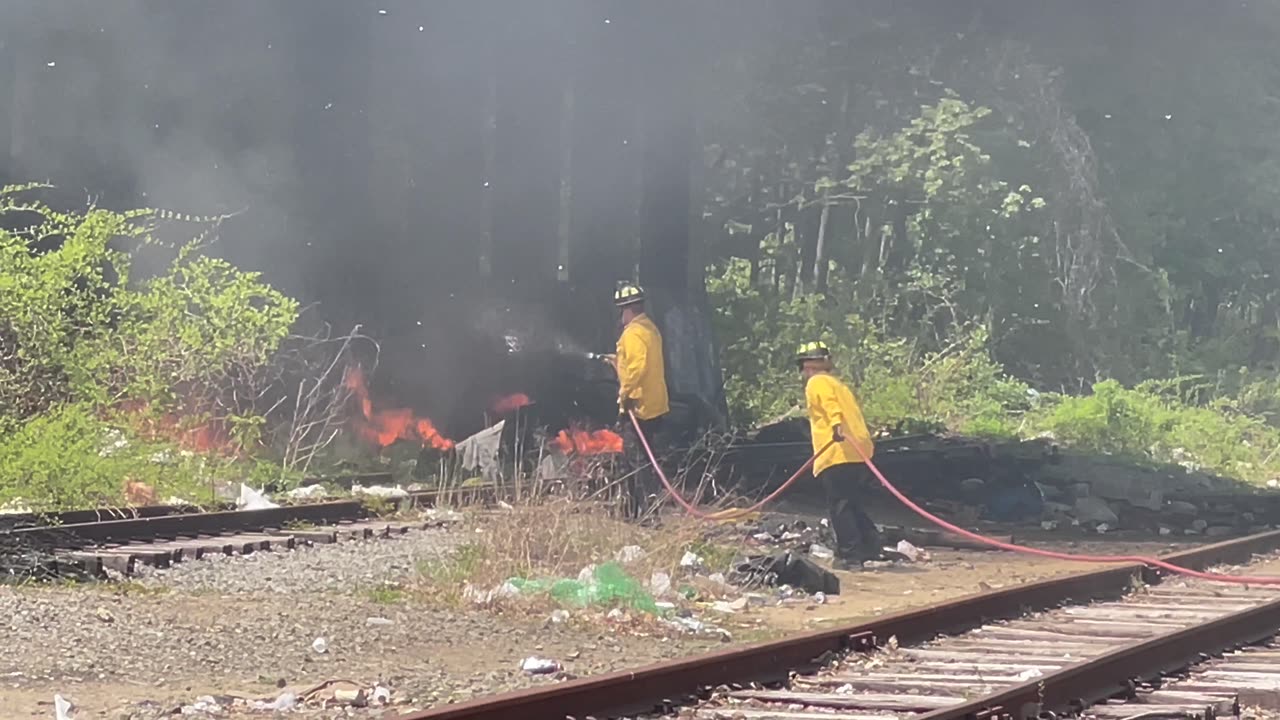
<point x="642" y="486"/>
<point x="848" y="486"/>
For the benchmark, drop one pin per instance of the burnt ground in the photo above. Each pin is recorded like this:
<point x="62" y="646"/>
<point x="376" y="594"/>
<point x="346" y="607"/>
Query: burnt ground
<point x="245" y="626"/>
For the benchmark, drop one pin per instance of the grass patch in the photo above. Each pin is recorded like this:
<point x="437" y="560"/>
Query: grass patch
<point x="133" y="588"/>
<point x="386" y="595"/>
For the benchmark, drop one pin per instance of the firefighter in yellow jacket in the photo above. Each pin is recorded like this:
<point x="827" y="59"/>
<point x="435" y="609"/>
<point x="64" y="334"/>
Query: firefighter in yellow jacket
<point x="834" y="414"/>
<point x="642" y="389"/>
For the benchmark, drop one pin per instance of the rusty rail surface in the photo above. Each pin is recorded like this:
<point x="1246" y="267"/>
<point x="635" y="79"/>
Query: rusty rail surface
<point x="655" y="687"/>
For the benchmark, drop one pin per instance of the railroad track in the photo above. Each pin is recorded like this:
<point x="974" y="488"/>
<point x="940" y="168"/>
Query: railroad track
<point x="1110" y="643"/>
<point x="164" y="535"/>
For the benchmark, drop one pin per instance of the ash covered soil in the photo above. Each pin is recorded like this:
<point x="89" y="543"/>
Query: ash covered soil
<point x="245" y="626"/>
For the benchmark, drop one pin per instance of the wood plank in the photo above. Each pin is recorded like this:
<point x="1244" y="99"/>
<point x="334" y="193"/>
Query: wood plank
<point x="837" y="679"/>
<point x="1088" y="629"/>
<point x="1019" y="646"/>
<point x="988" y="666"/>
<point x="1176" y="697"/>
<point x="1249" y="667"/>
<point x="1009" y="633"/>
<point x="866" y="701"/>
<point x="861" y="685"/>
<point x="751" y="713"/>
<point x="961" y="657"/>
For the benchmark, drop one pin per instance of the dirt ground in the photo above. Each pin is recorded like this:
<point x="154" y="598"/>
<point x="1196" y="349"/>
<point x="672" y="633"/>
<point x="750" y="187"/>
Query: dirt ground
<point x="163" y="649"/>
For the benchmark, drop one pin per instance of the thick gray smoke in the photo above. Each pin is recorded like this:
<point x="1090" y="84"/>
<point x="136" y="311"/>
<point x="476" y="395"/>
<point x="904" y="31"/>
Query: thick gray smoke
<point x="400" y="163"/>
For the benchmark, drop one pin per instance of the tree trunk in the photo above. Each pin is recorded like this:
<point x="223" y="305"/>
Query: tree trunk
<point x="820" y="250"/>
<point x="807" y="241"/>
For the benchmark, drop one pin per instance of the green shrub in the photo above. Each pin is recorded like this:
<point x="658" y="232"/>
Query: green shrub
<point x="1152" y="423"/>
<point x="87" y="350"/>
<point x="68" y="458"/>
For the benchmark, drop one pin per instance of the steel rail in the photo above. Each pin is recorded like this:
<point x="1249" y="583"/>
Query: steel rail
<point x="686" y="680"/>
<point x="158" y="524"/>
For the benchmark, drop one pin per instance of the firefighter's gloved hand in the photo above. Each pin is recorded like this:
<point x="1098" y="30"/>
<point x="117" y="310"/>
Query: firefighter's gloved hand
<point x="837" y="434"/>
<point x="626" y="406"/>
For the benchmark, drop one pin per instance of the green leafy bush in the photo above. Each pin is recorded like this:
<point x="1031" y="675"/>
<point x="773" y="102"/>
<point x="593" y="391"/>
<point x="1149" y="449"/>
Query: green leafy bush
<point x="1150" y="423"/>
<point x="88" y="353"/>
<point x="958" y="386"/>
<point x="69" y="458"/>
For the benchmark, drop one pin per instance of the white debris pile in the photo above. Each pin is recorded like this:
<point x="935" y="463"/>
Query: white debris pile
<point x="379" y="491"/>
<point x="251" y="499"/>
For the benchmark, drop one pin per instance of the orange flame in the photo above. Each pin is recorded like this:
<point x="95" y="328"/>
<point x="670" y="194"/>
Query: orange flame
<point x="581" y="442"/>
<point x="504" y="405"/>
<point x="209" y="437"/>
<point x="384" y="427"/>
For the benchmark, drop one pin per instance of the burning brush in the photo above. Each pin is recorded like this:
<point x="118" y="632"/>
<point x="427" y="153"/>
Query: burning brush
<point x="383" y="427"/>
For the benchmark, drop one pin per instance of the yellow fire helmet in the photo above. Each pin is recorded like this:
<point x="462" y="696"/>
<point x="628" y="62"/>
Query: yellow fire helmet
<point x="628" y="294"/>
<point x="816" y="350"/>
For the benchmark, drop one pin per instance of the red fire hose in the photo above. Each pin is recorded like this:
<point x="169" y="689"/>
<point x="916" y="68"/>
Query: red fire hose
<point x="1105" y="559"/>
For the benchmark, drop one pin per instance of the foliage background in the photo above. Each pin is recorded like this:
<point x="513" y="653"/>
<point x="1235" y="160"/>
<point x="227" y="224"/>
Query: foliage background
<point x="1007" y="220"/>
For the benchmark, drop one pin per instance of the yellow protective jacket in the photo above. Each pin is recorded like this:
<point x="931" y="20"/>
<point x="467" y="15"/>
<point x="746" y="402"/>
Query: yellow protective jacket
<point x="832" y="403"/>
<point x="641" y="373"/>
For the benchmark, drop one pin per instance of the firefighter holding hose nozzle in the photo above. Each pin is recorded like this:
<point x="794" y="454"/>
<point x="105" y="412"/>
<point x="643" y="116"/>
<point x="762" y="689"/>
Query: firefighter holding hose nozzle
<point x="642" y="390"/>
<point x="834" y="415"/>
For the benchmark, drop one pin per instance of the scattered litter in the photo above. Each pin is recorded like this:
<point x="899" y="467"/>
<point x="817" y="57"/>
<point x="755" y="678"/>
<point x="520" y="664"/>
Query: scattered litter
<point x="1029" y="674"/>
<point x="559" y="616"/>
<point x="378" y="621"/>
<point x="606" y="584"/>
<point x="1273" y="483"/>
<point x="307" y="492"/>
<point x="380" y="491"/>
<point x="441" y="516"/>
<point x="1164" y="530"/>
<point x="909" y="551"/>
<point x="1102" y="528"/>
<point x="381" y="695"/>
<point x="204" y="705"/>
<point x="786" y="569"/>
<point x="629" y="554"/>
<point x="251" y="499"/>
<point x="1048" y="524"/>
<point x="846" y="689"/>
<point x="691" y="561"/>
<point x="659" y="584"/>
<point x="505" y="505"/>
<point x="822" y="552"/>
<point x="351" y="696"/>
<point x="665" y="605"/>
<point x="721" y="606"/>
<point x="320" y="645"/>
<point x="535" y="665"/>
<point x="718" y="578"/>
<point x="697" y="627"/>
<point x="61" y="708"/>
<point x="104" y="615"/>
<point x="617" y="615"/>
<point x="286" y="701"/>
